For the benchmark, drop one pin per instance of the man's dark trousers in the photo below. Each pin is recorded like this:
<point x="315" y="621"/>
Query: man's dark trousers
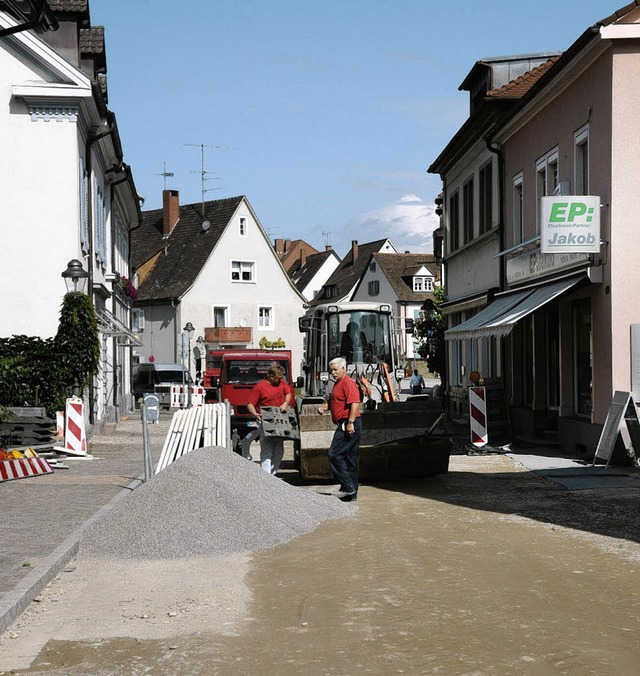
<point x="343" y="456"/>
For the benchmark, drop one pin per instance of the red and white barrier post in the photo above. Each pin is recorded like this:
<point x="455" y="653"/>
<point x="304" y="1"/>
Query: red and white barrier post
<point x="75" y="440"/>
<point x="478" y="416"/>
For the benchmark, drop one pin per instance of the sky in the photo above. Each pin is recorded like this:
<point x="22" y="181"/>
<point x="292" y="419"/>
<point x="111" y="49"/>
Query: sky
<point x="325" y="115"/>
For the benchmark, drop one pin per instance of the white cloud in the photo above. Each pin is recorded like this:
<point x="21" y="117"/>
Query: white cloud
<point x="408" y="222"/>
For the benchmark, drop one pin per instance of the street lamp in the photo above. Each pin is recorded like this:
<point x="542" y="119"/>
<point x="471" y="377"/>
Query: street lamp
<point x="75" y="276"/>
<point x="189" y="330"/>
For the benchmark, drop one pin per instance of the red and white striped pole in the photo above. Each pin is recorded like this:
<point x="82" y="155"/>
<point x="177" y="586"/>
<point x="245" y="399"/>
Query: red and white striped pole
<point x="478" y="416"/>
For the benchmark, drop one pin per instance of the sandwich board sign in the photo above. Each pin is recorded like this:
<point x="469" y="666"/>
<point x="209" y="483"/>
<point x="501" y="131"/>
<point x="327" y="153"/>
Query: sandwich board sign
<point x="623" y="418"/>
<point x="570" y="224"/>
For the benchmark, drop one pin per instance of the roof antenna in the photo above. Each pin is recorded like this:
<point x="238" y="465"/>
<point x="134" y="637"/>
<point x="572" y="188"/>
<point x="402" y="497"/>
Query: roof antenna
<point x="164" y="175"/>
<point x="203" y="173"/>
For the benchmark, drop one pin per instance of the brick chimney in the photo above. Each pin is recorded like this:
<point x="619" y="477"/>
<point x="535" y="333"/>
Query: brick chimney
<point x="354" y="250"/>
<point x="327" y="247"/>
<point x="170" y="211"/>
<point x="279" y="246"/>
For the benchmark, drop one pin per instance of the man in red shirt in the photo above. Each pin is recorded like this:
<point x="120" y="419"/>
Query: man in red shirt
<point x="272" y="391"/>
<point x="344" y="404"/>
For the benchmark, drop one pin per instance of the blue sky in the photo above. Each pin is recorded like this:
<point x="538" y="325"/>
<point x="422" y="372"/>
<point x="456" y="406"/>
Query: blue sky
<point x="325" y="115"/>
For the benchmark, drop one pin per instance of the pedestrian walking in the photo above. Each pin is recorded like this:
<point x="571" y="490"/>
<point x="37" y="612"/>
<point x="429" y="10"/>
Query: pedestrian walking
<point x="416" y="382"/>
<point x="271" y="391"/>
<point x="344" y="405"/>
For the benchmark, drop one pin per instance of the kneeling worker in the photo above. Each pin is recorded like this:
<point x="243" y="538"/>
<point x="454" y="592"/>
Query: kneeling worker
<point x="344" y="404"/>
<point x="272" y="391"/>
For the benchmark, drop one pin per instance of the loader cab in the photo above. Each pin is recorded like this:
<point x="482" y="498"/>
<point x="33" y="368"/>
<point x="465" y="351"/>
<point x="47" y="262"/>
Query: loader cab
<point x="363" y="333"/>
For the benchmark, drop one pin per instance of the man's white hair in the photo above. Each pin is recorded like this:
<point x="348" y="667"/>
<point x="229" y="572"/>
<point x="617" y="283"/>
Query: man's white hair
<point x="341" y="362"/>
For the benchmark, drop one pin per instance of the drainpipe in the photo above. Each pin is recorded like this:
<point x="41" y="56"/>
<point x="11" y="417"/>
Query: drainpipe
<point x="91" y="139"/>
<point x="496" y="148"/>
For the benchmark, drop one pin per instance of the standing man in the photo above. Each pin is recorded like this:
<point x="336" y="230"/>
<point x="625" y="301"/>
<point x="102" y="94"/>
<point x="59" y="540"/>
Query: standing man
<point x="416" y="382"/>
<point x="344" y="404"/>
<point x="272" y="391"/>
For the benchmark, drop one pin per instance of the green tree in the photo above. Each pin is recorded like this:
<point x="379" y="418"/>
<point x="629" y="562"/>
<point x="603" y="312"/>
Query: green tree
<point x="429" y="332"/>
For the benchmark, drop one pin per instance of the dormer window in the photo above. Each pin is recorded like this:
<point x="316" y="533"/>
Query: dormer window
<point x="421" y="284"/>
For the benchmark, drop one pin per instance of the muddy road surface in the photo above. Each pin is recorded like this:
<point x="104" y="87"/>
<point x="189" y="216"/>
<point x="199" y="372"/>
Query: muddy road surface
<point x="489" y="570"/>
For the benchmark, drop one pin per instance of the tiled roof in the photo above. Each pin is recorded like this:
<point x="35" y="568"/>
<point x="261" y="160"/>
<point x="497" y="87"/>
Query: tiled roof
<point x="399" y="270"/>
<point x="69" y="5"/>
<point x="184" y="252"/>
<point x="346" y="275"/>
<point x="92" y="40"/>
<point x="521" y="85"/>
<point x="311" y="266"/>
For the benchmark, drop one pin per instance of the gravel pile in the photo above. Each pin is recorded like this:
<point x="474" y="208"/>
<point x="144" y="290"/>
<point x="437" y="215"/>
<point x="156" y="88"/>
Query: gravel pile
<point x="208" y="502"/>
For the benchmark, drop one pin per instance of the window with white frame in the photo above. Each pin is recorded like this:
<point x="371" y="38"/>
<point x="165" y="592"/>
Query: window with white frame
<point x="243" y="271"/>
<point x="243" y="226"/>
<point x="374" y="287"/>
<point x="421" y="283"/>
<point x="265" y="317"/>
<point x="546" y="179"/>
<point x="219" y="313"/>
<point x="581" y="161"/>
<point x="518" y="215"/>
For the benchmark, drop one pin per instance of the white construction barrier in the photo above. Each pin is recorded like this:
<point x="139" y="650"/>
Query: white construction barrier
<point x="192" y="428"/>
<point x="75" y="439"/>
<point x="180" y="396"/>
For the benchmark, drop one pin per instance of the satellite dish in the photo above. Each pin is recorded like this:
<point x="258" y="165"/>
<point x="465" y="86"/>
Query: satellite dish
<point x="205" y="226"/>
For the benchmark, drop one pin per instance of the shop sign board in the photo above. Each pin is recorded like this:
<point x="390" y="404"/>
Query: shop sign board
<point x="570" y="224"/>
<point x="534" y="264"/>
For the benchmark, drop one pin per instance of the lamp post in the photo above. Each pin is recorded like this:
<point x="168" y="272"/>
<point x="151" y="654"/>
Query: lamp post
<point x="189" y="330"/>
<point x="75" y="276"/>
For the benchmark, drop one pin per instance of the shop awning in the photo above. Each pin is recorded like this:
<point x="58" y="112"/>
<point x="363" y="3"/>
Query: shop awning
<point x="499" y="318"/>
<point x="109" y="325"/>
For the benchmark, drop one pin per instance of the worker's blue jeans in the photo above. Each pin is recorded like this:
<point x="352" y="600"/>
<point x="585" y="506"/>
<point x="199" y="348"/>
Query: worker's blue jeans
<point x="343" y="456"/>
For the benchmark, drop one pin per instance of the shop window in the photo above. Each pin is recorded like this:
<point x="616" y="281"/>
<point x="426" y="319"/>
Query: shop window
<point x="553" y="357"/>
<point x="582" y="355"/>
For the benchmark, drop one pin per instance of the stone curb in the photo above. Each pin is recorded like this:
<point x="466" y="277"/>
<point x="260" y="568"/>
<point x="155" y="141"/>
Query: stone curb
<point x="15" y="602"/>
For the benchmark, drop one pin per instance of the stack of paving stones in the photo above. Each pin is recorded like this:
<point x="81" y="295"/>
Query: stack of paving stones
<point x="27" y="426"/>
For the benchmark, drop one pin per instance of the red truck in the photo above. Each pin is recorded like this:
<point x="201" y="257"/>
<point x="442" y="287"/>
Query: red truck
<point x="231" y="374"/>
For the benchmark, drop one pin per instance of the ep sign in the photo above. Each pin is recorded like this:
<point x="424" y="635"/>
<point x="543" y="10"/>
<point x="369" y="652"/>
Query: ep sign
<point x="570" y="224"/>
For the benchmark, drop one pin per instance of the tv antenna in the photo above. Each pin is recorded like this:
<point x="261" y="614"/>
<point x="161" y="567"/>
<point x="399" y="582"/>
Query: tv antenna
<point x="164" y="175"/>
<point x="325" y="234"/>
<point x="202" y="171"/>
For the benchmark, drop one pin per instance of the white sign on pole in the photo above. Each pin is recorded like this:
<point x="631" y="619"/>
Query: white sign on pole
<point x="570" y="223"/>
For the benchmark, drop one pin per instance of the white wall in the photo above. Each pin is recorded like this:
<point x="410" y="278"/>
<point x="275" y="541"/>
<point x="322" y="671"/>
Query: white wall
<point x="270" y="288"/>
<point x="38" y="209"/>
